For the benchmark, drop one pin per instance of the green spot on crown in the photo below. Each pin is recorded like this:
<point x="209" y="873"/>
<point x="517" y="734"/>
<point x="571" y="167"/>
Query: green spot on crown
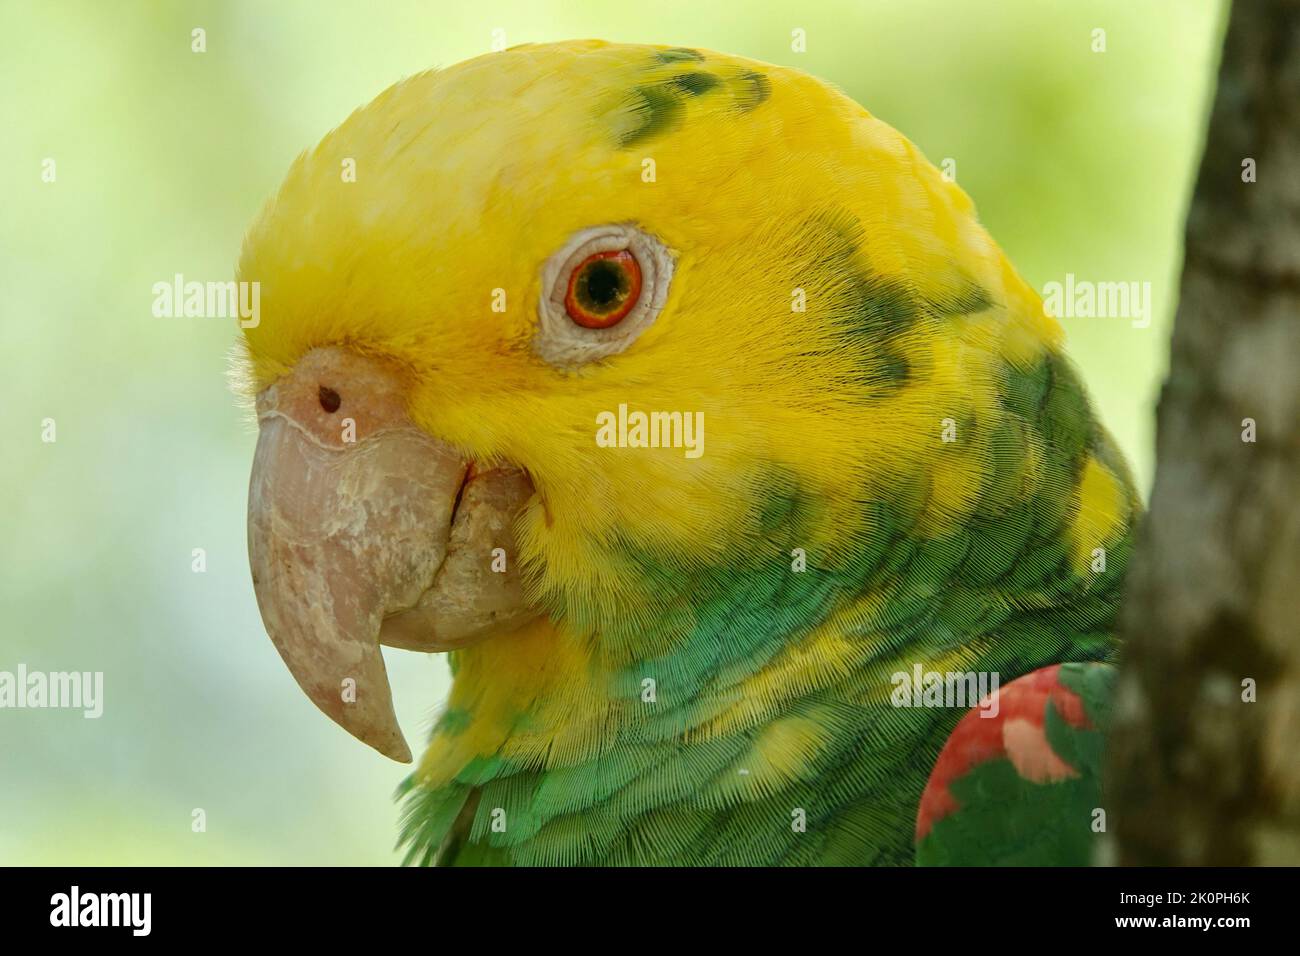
<point x="752" y="90"/>
<point x="695" y="84"/>
<point x="655" y="109"/>
<point x="678" y="54"/>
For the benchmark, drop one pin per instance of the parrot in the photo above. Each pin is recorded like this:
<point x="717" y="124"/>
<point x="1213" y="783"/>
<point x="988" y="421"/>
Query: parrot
<point x="693" y="414"/>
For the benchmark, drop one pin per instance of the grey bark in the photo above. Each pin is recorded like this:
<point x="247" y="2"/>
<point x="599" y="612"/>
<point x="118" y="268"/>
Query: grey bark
<point x="1197" y="774"/>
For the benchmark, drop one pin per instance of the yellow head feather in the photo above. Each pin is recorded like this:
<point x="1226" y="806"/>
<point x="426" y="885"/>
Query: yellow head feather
<point x="765" y="182"/>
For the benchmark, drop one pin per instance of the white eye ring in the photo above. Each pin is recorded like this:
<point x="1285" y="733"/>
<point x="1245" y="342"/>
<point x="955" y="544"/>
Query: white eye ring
<point x="560" y="341"/>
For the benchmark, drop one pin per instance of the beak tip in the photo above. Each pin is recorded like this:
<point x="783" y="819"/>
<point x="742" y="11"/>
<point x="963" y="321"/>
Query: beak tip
<point x="380" y="731"/>
<point x="400" y="753"/>
<point x="387" y="740"/>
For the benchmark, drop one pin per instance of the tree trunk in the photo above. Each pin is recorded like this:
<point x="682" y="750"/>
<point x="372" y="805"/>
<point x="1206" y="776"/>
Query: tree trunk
<point x="1199" y="772"/>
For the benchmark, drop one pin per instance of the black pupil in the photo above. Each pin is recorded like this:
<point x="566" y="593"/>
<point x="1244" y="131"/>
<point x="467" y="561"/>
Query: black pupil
<point x="602" y="286"/>
<point x="329" y="399"/>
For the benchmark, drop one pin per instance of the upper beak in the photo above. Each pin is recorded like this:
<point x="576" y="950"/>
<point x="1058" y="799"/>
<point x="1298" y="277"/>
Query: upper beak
<point x="387" y="537"/>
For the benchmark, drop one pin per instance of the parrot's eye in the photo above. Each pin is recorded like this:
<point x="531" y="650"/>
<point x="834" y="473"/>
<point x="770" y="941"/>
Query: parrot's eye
<point x="603" y="289"/>
<point x="329" y="399"/>
<point x="599" y="292"/>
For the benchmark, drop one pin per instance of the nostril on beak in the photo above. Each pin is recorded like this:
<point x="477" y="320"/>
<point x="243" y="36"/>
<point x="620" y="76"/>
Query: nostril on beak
<point x="329" y="399"/>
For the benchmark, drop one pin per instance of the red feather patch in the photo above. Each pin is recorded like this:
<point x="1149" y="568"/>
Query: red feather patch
<point x="1017" y="732"/>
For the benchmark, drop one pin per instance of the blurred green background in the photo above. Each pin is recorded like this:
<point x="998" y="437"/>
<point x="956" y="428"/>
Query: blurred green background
<point x="1078" y="161"/>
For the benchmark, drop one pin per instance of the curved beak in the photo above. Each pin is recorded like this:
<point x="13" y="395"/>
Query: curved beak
<point x="388" y="537"/>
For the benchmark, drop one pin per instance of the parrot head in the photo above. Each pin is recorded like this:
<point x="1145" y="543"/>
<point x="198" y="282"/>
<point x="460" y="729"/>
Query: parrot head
<point x="570" y="354"/>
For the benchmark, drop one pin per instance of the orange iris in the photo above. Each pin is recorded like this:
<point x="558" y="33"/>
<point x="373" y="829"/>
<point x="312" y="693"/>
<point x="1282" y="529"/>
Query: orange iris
<point x="603" y="289"/>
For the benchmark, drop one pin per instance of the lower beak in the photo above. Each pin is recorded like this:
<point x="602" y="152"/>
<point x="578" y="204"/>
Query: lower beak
<point x="390" y="539"/>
